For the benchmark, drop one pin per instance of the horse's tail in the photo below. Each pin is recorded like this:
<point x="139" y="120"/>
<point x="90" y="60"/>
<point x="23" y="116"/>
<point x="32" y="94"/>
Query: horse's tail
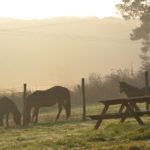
<point x="68" y="104"/>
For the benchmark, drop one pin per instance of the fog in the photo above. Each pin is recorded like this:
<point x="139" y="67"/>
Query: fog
<point x="63" y="50"/>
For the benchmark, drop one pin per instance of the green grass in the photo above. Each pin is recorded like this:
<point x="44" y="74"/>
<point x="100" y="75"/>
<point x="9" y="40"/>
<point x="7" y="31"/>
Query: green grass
<point x="75" y="134"/>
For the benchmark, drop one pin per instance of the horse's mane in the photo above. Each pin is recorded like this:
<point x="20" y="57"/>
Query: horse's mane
<point x="130" y="90"/>
<point x="129" y="85"/>
<point x="55" y="87"/>
<point x="47" y="90"/>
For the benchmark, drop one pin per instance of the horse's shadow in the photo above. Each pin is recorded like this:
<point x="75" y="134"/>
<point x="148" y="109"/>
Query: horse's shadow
<point x="58" y="123"/>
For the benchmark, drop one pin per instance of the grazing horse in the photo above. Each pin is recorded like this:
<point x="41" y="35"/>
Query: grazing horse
<point x="130" y="90"/>
<point x="55" y="95"/>
<point x="8" y="106"/>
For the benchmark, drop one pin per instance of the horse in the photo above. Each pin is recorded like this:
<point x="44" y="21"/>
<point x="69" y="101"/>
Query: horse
<point x="130" y="90"/>
<point x="46" y="98"/>
<point x="7" y="106"/>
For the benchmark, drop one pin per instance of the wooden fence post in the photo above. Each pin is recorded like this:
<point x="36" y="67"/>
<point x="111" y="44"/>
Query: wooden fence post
<point x="24" y="105"/>
<point x="146" y="88"/>
<point x="83" y="99"/>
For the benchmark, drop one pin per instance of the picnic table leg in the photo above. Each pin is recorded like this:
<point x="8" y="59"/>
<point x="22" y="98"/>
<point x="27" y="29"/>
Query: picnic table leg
<point x="121" y="108"/>
<point x="99" y="121"/>
<point x="136" y="116"/>
<point x="134" y="105"/>
<point x="124" y="117"/>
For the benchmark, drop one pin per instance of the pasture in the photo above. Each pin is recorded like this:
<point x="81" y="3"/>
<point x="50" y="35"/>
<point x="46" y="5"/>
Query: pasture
<point x="76" y="134"/>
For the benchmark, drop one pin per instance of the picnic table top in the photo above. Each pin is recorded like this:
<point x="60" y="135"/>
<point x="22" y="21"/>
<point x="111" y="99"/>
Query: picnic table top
<point x="140" y="99"/>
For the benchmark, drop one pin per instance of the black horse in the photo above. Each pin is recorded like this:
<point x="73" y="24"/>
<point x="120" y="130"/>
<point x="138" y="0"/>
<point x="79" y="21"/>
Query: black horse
<point x="130" y="90"/>
<point x="55" y="95"/>
<point x="7" y="106"/>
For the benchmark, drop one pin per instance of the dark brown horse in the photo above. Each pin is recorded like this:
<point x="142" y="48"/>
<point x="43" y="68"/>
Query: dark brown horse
<point x="55" y="95"/>
<point x="7" y="106"/>
<point x="130" y="90"/>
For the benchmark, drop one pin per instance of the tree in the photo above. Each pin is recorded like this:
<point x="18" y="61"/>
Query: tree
<point x="139" y="9"/>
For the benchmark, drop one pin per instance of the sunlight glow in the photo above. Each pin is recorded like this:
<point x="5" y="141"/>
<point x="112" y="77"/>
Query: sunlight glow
<point x="37" y="9"/>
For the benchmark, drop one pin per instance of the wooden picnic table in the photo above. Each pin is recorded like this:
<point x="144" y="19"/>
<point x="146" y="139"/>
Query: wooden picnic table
<point x="128" y="108"/>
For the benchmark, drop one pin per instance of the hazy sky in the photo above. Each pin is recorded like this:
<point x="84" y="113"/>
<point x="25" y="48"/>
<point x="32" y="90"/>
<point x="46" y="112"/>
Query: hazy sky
<point x="49" y="52"/>
<point x="28" y="9"/>
<point x="61" y="52"/>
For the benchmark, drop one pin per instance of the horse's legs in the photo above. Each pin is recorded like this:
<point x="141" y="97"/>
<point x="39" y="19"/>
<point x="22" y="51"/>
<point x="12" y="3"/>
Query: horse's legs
<point x="35" y="115"/>
<point x="32" y="116"/>
<point x="60" y="110"/>
<point x="65" y="111"/>
<point x="7" y="119"/>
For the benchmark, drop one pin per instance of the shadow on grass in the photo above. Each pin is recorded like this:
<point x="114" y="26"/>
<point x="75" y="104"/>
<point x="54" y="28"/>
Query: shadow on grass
<point x="59" y="123"/>
<point x="55" y="123"/>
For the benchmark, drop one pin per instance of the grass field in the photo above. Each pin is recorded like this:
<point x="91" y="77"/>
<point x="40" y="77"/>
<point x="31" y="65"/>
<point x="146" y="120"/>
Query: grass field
<point x="76" y="134"/>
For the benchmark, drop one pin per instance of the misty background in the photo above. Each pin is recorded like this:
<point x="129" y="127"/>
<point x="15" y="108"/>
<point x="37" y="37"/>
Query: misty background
<point x="62" y="50"/>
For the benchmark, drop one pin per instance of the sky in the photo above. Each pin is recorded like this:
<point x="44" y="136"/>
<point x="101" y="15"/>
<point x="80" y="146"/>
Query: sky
<point x="43" y="53"/>
<point x="39" y="9"/>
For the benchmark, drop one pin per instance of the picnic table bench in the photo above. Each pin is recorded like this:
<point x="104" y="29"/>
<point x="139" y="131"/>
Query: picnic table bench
<point x="129" y="108"/>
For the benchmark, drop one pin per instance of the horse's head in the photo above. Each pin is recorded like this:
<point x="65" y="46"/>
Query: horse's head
<point x="17" y="118"/>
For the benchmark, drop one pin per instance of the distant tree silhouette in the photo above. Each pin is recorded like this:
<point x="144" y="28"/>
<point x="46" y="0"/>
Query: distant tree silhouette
<point x="98" y="87"/>
<point x="139" y="9"/>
